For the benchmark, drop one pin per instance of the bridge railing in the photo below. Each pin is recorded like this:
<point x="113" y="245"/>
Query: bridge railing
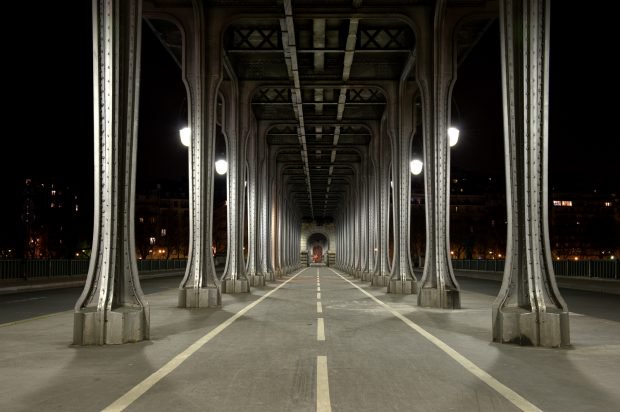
<point x="50" y="268"/>
<point x="600" y="269"/>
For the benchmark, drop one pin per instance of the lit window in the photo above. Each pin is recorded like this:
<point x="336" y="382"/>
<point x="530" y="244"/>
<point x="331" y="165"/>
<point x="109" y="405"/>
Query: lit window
<point x="141" y="219"/>
<point x="557" y="203"/>
<point x="163" y="232"/>
<point x="566" y="203"/>
<point x="152" y="240"/>
<point x="53" y="193"/>
<point x="607" y="204"/>
<point x="76" y="208"/>
<point x="52" y="205"/>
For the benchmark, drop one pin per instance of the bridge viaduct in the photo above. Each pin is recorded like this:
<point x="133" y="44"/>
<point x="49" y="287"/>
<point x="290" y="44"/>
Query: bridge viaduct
<point x="319" y="103"/>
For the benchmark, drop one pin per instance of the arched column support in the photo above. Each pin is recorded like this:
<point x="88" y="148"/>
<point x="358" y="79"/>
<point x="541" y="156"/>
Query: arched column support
<point x="112" y="308"/>
<point x="202" y="79"/>
<point x="529" y="309"/>
<point x="436" y="73"/>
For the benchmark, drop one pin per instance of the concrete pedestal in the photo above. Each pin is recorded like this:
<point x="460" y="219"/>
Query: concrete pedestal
<point x="397" y="286"/>
<point x="256" y="280"/>
<point x="120" y="325"/>
<point x="433" y="298"/>
<point x="366" y="276"/>
<point x="378" y="280"/>
<point x="209" y="297"/>
<point x="235" y="286"/>
<point x="520" y="326"/>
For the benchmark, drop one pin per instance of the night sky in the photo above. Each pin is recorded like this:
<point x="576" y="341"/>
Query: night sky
<point x="48" y="89"/>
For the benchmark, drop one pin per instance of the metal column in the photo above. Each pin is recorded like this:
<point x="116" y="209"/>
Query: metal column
<point x="529" y="309"/>
<point x="112" y="308"/>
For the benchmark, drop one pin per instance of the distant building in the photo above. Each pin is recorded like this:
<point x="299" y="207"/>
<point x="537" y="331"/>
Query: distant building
<point x="581" y="226"/>
<point x="162" y="221"/>
<point x="52" y="222"/>
<point x="585" y="226"/>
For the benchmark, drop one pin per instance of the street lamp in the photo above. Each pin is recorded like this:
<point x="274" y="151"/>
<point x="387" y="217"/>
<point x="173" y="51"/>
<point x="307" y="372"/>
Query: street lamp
<point x="453" y="136"/>
<point x="186" y="136"/>
<point x="416" y="166"/>
<point x="221" y="166"/>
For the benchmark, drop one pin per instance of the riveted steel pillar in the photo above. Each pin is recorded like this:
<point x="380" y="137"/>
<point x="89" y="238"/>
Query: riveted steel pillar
<point x="236" y="120"/>
<point x="250" y="138"/>
<point x="352" y="234"/>
<point x="436" y="74"/>
<point x="529" y="309"/>
<point x="381" y="276"/>
<point x="357" y="223"/>
<point x="277" y="222"/>
<point x="202" y="78"/>
<point x="264" y="207"/>
<point x="112" y="308"/>
<point x="364" y="271"/>
<point x="372" y="221"/>
<point x="402" y="280"/>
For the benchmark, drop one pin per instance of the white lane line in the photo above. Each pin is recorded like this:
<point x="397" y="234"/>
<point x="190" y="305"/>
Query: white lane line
<point x="318" y="288"/>
<point x="516" y="399"/>
<point x="323" y="403"/>
<point x="318" y="295"/>
<point x="319" y="307"/>
<point x="320" y="329"/>
<point x="134" y="393"/>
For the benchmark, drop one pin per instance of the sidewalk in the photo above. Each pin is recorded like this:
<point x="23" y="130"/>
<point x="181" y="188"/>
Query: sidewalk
<point x="60" y="282"/>
<point x="588" y="284"/>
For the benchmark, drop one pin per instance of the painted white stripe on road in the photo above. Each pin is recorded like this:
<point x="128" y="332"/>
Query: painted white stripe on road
<point x="516" y="399"/>
<point x="318" y="288"/>
<point x="323" y="403"/>
<point x="127" y="399"/>
<point x="320" y="329"/>
<point x="318" y="296"/>
<point x="319" y="307"/>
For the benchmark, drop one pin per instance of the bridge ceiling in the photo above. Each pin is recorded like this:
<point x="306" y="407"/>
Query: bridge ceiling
<point x="322" y="78"/>
<point x="318" y="69"/>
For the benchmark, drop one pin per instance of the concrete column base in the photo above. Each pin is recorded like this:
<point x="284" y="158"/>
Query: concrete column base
<point x="269" y="276"/>
<point x="209" y="297"/>
<point x="232" y="286"/>
<point x="379" y="280"/>
<point x="256" y="280"/>
<point x="518" y="325"/>
<point x="432" y="298"/>
<point x="397" y="286"/>
<point x="120" y="325"/>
